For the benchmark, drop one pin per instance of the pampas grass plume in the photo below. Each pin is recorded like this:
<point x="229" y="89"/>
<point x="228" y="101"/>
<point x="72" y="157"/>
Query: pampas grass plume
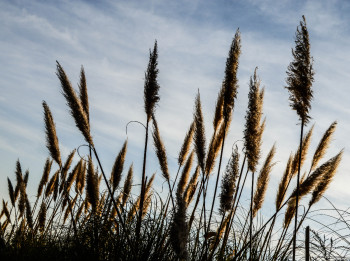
<point x="228" y="185"/>
<point x="199" y="134"/>
<point x="118" y="167"/>
<point x="76" y="108"/>
<point x="186" y="144"/>
<point x="323" y="145"/>
<point x="262" y="182"/>
<point x="51" y="137"/>
<point x="160" y="150"/>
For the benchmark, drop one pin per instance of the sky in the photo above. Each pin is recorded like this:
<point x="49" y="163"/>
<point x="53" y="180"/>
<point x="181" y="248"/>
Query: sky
<point x="112" y="40"/>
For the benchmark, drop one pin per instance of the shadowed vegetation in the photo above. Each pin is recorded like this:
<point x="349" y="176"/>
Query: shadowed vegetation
<point x="81" y="212"/>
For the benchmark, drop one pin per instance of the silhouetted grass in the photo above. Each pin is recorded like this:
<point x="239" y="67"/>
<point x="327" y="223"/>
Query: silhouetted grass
<point x="75" y="218"/>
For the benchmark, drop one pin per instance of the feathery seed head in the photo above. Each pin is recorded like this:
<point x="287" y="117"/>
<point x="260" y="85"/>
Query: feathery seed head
<point x="282" y="188"/>
<point x="311" y="181"/>
<point x="185" y="174"/>
<point x="72" y="176"/>
<point x="300" y="74"/>
<point x="263" y="180"/>
<point x="228" y="185"/>
<point x="56" y="187"/>
<point x="147" y="197"/>
<point x="186" y="144"/>
<point x="18" y="172"/>
<point x="179" y="229"/>
<point x="151" y="87"/>
<point x="80" y="178"/>
<point x="118" y="166"/>
<point x="11" y="192"/>
<point x="76" y="108"/>
<point x="6" y="211"/>
<point x="219" y="108"/>
<point x="42" y="217"/>
<point x="253" y="130"/>
<point x="160" y="150"/>
<point x="51" y="185"/>
<point x="127" y="185"/>
<point x="323" y="145"/>
<point x="45" y="176"/>
<point x="149" y="185"/>
<point x="290" y="212"/>
<point x="84" y="99"/>
<point x="29" y="216"/>
<point x="191" y="187"/>
<point x="26" y="177"/>
<point x="199" y="133"/>
<point x="327" y="177"/>
<point x="22" y="196"/>
<point x="230" y="81"/>
<point x="51" y="137"/>
<point x="215" y="146"/>
<point x="66" y="166"/>
<point x="92" y="186"/>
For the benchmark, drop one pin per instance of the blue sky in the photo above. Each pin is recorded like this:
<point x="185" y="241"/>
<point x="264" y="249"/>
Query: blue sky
<point x="111" y="39"/>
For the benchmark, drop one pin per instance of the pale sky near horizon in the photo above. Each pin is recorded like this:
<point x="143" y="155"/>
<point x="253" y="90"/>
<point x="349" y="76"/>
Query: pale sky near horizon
<point x="111" y="39"/>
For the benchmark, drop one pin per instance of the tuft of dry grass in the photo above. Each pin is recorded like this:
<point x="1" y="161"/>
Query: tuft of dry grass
<point x="228" y="185"/>
<point x="75" y="105"/>
<point x="42" y="217"/>
<point x="327" y="177"/>
<point x="66" y="167"/>
<point x="83" y="93"/>
<point x="323" y="145"/>
<point x="127" y="186"/>
<point x="45" y="176"/>
<point x="118" y="167"/>
<point x="151" y="87"/>
<point x="191" y="187"/>
<point x="199" y="133"/>
<point x="186" y="145"/>
<point x="253" y="129"/>
<point x="305" y="146"/>
<point x="11" y="192"/>
<point x="230" y="81"/>
<point x="284" y="183"/>
<point x="301" y="74"/>
<point x="160" y="151"/>
<point x="262" y="182"/>
<point x="185" y="174"/>
<point x="51" y="137"/>
<point x="92" y="192"/>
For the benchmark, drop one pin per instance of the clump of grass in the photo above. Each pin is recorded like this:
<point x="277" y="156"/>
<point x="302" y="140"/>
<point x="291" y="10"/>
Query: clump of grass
<point x="74" y="213"/>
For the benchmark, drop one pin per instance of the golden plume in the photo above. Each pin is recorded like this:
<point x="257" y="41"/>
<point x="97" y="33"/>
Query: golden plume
<point x="51" y="137"/>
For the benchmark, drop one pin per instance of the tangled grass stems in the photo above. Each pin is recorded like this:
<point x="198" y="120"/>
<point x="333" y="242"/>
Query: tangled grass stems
<point x="73" y="212"/>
